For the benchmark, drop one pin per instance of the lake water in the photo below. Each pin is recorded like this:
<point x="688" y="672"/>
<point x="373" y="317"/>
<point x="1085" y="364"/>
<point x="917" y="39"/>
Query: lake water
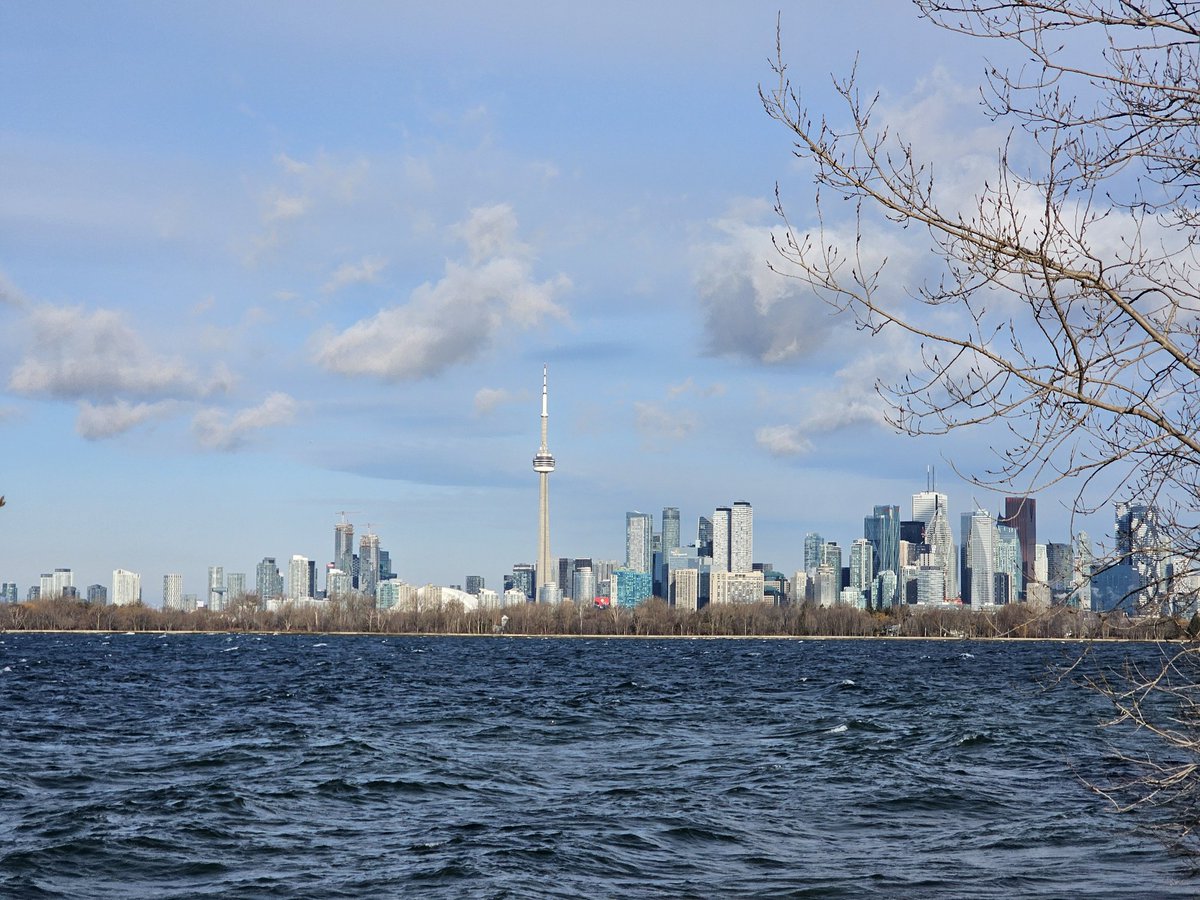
<point x="307" y="766"/>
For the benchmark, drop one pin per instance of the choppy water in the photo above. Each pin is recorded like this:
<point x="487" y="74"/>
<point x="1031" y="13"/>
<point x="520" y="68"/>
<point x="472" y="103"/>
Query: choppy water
<point x="289" y="766"/>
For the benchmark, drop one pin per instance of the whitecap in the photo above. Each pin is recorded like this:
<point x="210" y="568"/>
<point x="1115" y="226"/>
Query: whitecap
<point x="227" y="649"/>
<point x="320" y="645"/>
<point x="6" y="669"/>
<point x="838" y="729"/>
<point x="966" y="656"/>
<point x="848" y="682"/>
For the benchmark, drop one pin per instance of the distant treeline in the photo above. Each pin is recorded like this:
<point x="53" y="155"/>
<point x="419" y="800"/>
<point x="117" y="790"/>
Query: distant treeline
<point x="654" y="617"/>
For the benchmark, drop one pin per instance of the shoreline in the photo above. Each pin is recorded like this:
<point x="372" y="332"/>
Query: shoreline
<point x="566" y="636"/>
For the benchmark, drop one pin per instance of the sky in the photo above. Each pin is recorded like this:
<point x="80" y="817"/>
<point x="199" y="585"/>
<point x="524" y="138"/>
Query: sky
<point x="263" y="265"/>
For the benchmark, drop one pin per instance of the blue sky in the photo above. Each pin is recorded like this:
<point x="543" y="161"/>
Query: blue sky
<point x="260" y="263"/>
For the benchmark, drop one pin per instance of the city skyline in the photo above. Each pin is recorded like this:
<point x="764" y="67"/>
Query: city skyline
<point x="893" y="563"/>
<point x="258" y="266"/>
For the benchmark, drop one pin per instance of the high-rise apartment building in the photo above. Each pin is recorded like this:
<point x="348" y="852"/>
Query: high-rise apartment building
<point x="741" y="538"/>
<point x="298" y="583"/>
<point x="583" y="586"/>
<point x="638" y="530"/>
<point x="1081" y="576"/>
<point x="862" y="571"/>
<point x="172" y="596"/>
<point x="813" y="550"/>
<point x="670" y="529"/>
<point x="474" y="584"/>
<point x="685" y="589"/>
<point x="235" y="586"/>
<point x="722" y="525"/>
<point x="1142" y="544"/>
<point x="97" y="594"/>
<point x="704" y="536"/>
<point x="523" y="579"/>
<point x="8" y="592"/>
<point x="343" y="547"/>
<point x="268" y="581"/>
<point x="1060" y="565"/>
<point x="216" y="587"/>
<point x="126" y="587"/>
<point x="368" y="563"/>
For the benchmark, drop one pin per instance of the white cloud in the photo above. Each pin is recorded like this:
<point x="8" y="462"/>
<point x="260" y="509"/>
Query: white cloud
<point x="689" y="386"/>
<point x="656" y="422"/>
<point x="455" y="318"/>
<point x="851" y="400"/>
<point x="365" y="271"/>
<point x="783" y="440"/>
<point x="76" y="354"/>
<point x="215" y="430"/>
<point x="97" y="421"/>
<point x="750" y="310"/>
<point x="488" y="399"/>
<point x="9" y="295"/>
<point x="281" y="207"/>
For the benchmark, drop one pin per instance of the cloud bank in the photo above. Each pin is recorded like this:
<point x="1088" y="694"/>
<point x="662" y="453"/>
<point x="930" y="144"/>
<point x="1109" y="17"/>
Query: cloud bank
<point x="216" y="430"/>
<point x="457" y="317"/>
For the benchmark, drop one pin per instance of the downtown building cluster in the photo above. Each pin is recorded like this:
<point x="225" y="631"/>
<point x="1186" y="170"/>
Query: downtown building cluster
<point x="897" y="561"/>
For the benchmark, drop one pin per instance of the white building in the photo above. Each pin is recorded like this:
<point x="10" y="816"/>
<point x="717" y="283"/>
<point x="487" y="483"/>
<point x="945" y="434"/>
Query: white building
<point x="741" y="538"/>
<point x="126" y="587"/>
<point x="297" y="582"/>
<point x="735" y="587"/>
<point x="981" y="559"/>
<point x="173" y="592"/>
<point x="216" y="587"/>
<point x="685" y="589"/>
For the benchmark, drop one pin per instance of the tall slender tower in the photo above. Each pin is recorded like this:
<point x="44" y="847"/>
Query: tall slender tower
<point x="543" y="464"/>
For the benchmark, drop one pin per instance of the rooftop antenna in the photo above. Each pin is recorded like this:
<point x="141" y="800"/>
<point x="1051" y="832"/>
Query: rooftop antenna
<point x="930" y="479"/>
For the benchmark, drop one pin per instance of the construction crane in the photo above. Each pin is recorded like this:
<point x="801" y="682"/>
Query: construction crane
<point x="347" y="512"/>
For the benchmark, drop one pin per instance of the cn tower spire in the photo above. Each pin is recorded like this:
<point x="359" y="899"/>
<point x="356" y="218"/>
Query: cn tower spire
<point x="543" y="464"/>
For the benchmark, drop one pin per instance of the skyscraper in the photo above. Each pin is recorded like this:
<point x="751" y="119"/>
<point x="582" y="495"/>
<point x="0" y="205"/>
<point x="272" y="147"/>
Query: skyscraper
<point x="543" y="464"/>
<point x="235" y="586"/>
<point x="813" y="546"/>
<point x="368" y="563"/>
<point x="638" y="529"/>
<point x="126" y="587"/>
<point x="882" y="529"/>
<point x="704" y="531"/>
<point x="216" y="587"/>
<point x="722" y="525"/>
<point x="741" y="538"/>
<point x="926" y="502"/>
<point x="172" y="591"/>
<point x="1021" y="513"/>
<point x="523" y="579"/>
<point x="940" y="539"/>
<point x="343" y="546"/>
<point x="670" y="529"/>
<point x="268" y="582"/>
<point x="862" y="575"/>
<point x="981" y="556"/>
<point x="298" y="578"/>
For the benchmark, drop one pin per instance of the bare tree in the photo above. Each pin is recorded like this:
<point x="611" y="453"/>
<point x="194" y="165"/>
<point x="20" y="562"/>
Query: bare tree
<point x="1065" y="299"/>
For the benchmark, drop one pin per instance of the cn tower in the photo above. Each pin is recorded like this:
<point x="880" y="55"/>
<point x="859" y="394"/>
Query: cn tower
<point x="543" y="464"/>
